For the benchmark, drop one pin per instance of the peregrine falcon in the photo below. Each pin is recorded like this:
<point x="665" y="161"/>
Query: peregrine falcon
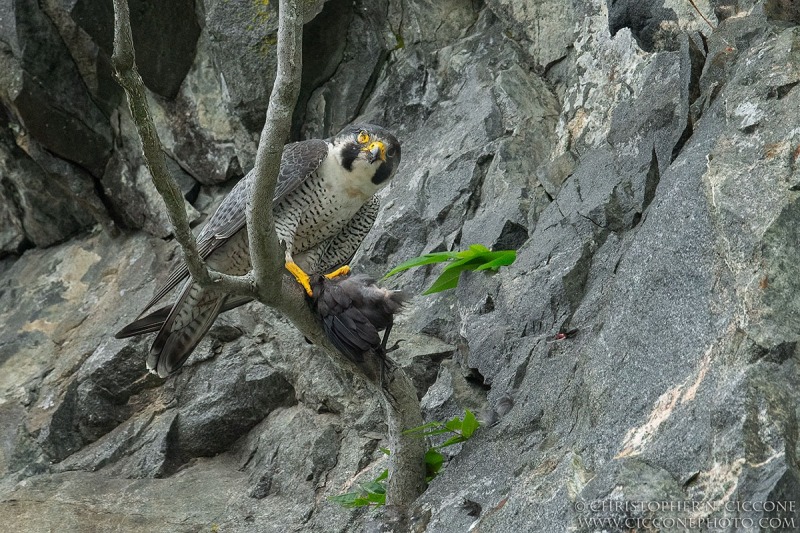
<point x="324" y="206"/>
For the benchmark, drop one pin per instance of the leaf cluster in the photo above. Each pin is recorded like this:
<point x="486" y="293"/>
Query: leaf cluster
<point x="462" y="429"/>
<point x="477" y="257"/>
<point x="374" y="492"/>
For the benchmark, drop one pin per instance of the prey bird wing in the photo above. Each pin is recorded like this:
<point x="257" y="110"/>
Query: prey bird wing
<point x="299" y="161"/>
<point x="352" y="311"/>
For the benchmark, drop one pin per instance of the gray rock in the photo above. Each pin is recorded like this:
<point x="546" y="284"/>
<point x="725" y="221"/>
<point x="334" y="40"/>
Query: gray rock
<point x="344" y="60"/>
<point x="275" y="466"/>
<point x="45" y="199"/>
<point x="647" y="329"/>
<point x="43" y="89"/>
<point x="129" y="189"/>
<point x="419" y="355"/>
<point x="326" y="40"/>
<point x="646" y="22"/>
<point x="242" y="38"/>
<point x="641" y="348"/>
<point x="547" y="41"/>
<point x="451" y="394"/>
<point x="782" y="10"/>
<point x="473" y="182"/>
<point x="195" y="128"/>
<point x="84" y="27"/>
<point x="164" y="36"/>
<point x="222" y="401"/>
<point x="12" y="237"/>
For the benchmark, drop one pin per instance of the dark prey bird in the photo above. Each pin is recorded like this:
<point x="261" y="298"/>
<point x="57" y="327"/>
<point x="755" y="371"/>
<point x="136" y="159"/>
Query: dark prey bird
<point x="324" y="206"/>
<point x="353" y="310"/>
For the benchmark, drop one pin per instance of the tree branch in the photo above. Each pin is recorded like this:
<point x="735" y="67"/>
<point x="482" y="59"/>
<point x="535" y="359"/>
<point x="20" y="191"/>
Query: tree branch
<point x="268" y="282"/>
<point x="399" y="398"/>
<point x="266" y="254"/>
<point x="407" y="460"/>
<point x="127" y="75"/>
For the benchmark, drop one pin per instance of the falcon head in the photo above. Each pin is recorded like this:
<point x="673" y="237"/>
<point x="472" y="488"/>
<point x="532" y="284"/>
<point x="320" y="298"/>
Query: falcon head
<point x="368" y="150"/>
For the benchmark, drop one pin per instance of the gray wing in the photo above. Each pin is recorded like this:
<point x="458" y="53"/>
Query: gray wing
<point x="298" y="161"/>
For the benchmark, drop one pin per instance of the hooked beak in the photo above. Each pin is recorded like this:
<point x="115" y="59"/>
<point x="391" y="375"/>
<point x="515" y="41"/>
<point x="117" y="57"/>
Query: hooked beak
<point x="376" y="150"/>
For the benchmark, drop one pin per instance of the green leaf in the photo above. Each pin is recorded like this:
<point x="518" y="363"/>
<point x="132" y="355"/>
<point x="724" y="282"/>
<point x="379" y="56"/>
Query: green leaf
<point x="374" y="487"/>
<point x="384" y="475"/>
<point x="385" y="450"/>
<point x="454" y="425"/>
<point x="434" y="458"/>
<point x="433" y="462"/>
<point x="452" y="440"/>
<point x="476" y="257"/>
<point x="449" y="277"/>
<point x="345" y="500"/>
<point x="467" y="263"/>
<point x="478" y="249"/>
<point x="372" y="493"/>
<point x="433" y="432"/>
<point x="469" y="425"/>
<point x="427" y="259"/>
<point x="377" y="499"/>
<point x="498" y="259"/>
<point x="350" y="499"/>
<point x="447" y="280"/>
<point x="376" y="492"/>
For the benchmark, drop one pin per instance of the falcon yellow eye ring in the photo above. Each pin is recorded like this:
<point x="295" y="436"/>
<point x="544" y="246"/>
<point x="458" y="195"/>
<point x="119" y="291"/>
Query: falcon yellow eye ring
<point x="363" y="137"/>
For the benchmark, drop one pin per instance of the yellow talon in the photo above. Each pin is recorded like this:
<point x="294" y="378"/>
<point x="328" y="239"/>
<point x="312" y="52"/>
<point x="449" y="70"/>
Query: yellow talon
<point x="342" y="271"/>
<point x="300" y="276"/>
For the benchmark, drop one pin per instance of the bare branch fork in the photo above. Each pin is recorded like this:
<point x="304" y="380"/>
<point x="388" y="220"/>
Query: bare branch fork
<point x="128" y="77"/>
<point x="267" y="282"/>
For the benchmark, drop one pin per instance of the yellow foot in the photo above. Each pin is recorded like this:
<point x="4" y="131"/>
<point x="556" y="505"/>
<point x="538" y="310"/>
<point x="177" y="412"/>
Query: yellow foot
<point x="343" y="271"/>
<point x="300" y="276"/>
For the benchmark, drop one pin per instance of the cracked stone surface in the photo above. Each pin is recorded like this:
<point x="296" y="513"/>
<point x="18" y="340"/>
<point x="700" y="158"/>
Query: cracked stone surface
<point x="643" y="165"/>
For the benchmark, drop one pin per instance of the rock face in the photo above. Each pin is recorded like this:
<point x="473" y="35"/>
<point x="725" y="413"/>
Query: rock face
<point x="643" y="164"/>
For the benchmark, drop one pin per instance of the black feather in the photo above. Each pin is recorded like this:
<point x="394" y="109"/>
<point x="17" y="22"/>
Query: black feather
<point x="383" y="173"/>
<point x="153" y="321"/>
<point x="353" y="310"/>
<point x="349" y="154"/>
<point x="147" y="324"/>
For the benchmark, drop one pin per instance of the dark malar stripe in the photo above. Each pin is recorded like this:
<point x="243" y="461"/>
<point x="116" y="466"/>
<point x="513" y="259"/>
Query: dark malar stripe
<point x="349" y="154"/>
<point x="383" y="173"/>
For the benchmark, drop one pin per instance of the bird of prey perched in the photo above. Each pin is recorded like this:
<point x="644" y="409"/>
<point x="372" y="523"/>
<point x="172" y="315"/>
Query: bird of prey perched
<point x="353" y="310"/>
<point x="324" y="206"/>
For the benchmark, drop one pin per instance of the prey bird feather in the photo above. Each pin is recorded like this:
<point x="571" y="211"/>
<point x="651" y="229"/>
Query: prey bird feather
<point x="353" y="310"/>
<point x="325" y="204"/>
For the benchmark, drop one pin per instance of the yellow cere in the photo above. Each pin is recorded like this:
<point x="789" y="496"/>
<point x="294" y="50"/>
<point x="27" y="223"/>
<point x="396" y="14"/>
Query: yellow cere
<point x="381" y="147"/>
<point x="363" y="137"/>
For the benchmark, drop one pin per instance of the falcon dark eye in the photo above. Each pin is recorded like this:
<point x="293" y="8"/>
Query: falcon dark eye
<point x="363" y="137"/>
<point x="391" y="151"/>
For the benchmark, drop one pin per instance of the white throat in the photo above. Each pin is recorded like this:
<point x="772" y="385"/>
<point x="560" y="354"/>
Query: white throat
<point x="356" y="183"/>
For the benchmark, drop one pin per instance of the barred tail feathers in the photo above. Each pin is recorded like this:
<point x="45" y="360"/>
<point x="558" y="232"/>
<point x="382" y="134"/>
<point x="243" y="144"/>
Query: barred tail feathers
<point x="187" y="323"/>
